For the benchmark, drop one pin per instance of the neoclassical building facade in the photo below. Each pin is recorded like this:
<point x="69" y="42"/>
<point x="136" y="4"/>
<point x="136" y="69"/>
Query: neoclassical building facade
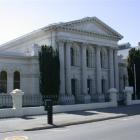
<point x="88" y="60"/>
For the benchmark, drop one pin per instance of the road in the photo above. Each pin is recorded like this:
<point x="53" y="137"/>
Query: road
<point x="126" y="128"/>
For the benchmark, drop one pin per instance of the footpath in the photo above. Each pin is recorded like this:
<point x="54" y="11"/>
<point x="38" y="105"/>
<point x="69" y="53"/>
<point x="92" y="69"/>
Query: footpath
<point x="32" y="123"/>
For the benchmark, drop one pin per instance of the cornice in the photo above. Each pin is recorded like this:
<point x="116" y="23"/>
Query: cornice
<point x="80" y="43"/>
<point x="10" y="56"/>
<point x="82" y="32"/>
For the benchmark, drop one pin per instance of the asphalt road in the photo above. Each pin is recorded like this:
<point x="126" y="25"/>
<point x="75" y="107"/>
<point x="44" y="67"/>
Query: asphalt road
<point x="126" y="128"/>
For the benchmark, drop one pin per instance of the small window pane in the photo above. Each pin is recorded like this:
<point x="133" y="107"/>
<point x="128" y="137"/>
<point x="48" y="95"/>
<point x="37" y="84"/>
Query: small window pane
<point x="3" y="82"/>
<point x="16" y="80"/>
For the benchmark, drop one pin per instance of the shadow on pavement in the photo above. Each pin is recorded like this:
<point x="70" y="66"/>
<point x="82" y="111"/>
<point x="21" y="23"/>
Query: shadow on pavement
<point x="128" y="110"/>
<point x="27" y="118"/>
<point x="44" y="127"/>
<point x="83" y="113"/>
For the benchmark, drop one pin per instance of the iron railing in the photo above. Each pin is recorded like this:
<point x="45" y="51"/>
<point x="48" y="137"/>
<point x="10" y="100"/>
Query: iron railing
<point x="31" y="100"/>
<point x="5" y="101"/>
<point x="38" y="100"/>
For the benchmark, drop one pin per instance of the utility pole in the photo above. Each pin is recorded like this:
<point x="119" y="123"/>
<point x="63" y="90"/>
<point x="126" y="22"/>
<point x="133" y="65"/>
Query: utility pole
<point x="135" y="82"/>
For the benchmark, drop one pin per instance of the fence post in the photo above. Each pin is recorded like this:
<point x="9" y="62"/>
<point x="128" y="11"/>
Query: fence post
<point x="113" y="96"/>
<point x="17" y="101"/>
<point x="128" y="94"/>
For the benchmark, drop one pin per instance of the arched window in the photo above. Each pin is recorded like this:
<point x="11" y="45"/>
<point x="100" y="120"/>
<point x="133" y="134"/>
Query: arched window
<point x="16" y="80"/>
<point x="3" y="82"/>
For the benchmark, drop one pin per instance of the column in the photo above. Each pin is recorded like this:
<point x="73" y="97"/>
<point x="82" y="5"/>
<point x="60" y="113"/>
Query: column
<point x="84" y="70"/>
<point x="85" y="98"/>
<point x="98" y="70"/>
<point x="62" y="68"/>
<point x="70" y="98"/>
<point x="68" y="70"/>
<point x="10" y="79"/>
<point x="111" y="69"/>
<point x="116" y="70"/>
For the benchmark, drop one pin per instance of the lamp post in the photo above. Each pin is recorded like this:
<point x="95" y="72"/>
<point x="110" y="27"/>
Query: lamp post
<point x="135" y="82"/>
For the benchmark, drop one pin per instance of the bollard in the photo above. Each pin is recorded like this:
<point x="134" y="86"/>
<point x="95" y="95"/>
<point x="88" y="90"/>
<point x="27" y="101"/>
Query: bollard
<point x="49" y="108"/>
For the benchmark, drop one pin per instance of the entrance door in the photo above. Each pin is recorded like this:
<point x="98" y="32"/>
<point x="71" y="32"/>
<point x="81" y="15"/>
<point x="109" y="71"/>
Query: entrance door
<point x="89" y="86"/>
<point x="103" y="86"/>
<point x="73" y="86"/>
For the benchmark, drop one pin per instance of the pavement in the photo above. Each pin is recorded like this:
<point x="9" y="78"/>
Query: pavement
<point x="34" y="123"/>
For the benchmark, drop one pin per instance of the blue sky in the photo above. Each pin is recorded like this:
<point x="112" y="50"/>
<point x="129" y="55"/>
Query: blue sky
<point x="18" y="17"/>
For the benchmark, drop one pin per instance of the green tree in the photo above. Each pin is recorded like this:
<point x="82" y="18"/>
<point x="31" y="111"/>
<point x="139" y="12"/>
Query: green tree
<point x="49" y="72"/>
<point x="134" y="61"/>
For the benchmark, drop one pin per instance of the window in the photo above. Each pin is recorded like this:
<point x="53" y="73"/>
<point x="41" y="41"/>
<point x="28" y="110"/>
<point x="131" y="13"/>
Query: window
<point x="16" y="80"/>
<point x="3" y="82"/>
<point x="88" y="58"/>
<point x="72" y="56"/>
<point x="101" y="55"/>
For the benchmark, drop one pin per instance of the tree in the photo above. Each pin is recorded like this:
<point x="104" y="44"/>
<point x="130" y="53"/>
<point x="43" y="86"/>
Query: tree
<point x="49" y="72"/>
<point x="134" y="68"/>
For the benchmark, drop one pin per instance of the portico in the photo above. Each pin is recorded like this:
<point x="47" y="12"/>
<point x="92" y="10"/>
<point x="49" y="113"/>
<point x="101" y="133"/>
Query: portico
<point x="81" y="72"/>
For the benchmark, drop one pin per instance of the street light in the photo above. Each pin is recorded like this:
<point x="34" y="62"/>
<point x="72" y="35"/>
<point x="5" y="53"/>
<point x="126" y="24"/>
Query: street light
<point x="135" y="82"/>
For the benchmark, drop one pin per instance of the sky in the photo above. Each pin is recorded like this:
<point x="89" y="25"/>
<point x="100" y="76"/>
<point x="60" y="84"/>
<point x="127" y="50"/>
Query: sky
<point x="18" y="17"/>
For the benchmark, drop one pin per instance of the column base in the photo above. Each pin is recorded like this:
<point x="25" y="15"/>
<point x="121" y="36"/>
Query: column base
<point x="83" y="99"/>
<point x="66" y="99"/>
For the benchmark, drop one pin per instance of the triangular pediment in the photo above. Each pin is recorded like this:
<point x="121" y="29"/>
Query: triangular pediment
<point x="93" y="25"/>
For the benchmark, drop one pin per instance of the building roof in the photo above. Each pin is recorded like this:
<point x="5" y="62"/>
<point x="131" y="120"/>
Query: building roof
<point x="71" y="26"/>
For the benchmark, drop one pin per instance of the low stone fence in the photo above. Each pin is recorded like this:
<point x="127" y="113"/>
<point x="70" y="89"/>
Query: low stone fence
<point x="28" y="111"/>
<point x="18" y="110"/>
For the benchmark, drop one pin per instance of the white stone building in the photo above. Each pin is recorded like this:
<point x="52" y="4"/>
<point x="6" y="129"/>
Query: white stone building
<point x="88" y="60"/>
